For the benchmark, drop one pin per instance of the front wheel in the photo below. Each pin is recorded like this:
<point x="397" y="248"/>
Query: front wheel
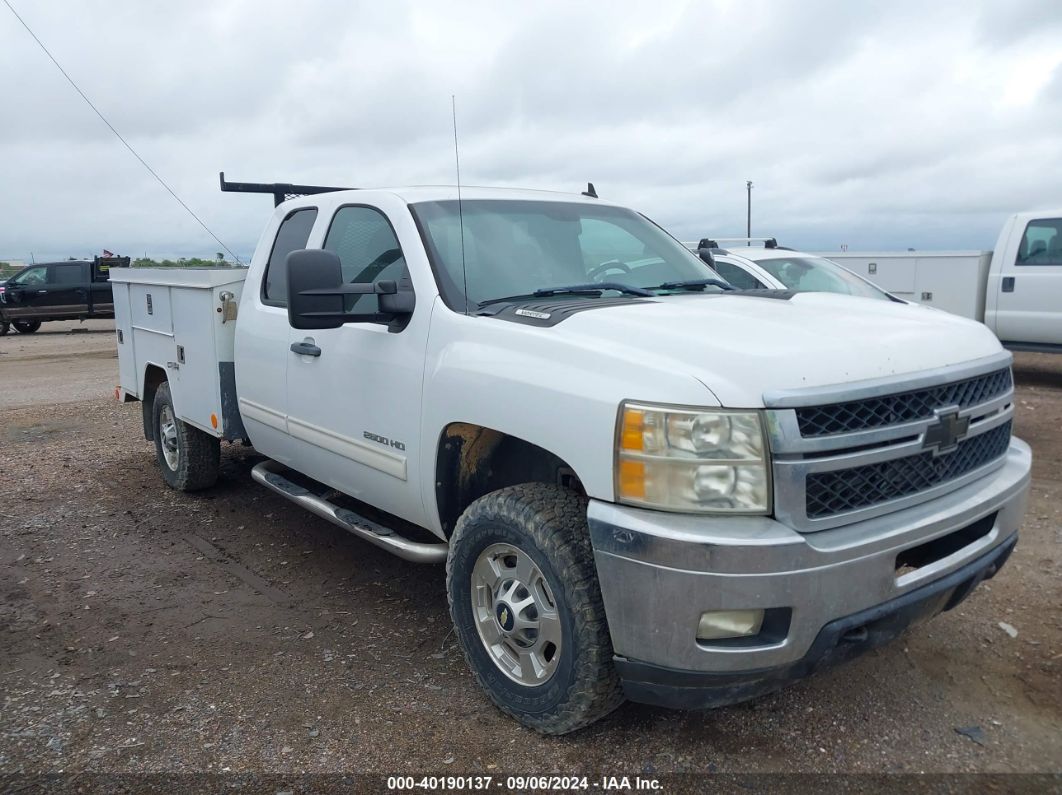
<point x="26" y="326"/>
<point x="527" y="607"/>
<point x="188" y="457"/>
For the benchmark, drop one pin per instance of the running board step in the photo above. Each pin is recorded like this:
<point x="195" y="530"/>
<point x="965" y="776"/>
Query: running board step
<point x="270" y="474"/>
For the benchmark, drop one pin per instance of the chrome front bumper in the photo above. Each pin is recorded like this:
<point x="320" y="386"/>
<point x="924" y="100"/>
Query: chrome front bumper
<point x="659" y="572"/>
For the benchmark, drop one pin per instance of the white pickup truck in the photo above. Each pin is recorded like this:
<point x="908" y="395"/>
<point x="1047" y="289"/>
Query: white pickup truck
<point x="1015" y="290"/>
<point x="643" y="483"/>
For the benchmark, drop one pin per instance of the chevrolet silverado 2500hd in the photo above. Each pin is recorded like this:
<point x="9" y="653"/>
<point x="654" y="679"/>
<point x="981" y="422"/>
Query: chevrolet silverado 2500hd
<point x="643" y="483"/>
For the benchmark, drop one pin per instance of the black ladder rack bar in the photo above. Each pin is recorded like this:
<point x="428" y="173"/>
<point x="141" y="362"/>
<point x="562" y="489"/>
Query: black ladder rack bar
<point x="280" y="190"/>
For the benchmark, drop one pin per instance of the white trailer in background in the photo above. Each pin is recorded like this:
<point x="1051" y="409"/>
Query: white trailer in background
<point x="1015" y="290"/>
<point x="954" y="281"/>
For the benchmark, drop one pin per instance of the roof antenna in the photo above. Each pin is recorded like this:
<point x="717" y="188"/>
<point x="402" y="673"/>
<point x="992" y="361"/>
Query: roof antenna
<point x="590" y="190"/>
<point x="460" y="205"/>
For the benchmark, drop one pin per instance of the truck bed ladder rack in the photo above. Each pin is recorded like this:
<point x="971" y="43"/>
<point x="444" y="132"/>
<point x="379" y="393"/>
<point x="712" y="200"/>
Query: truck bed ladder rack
<point x="282" y="191"/>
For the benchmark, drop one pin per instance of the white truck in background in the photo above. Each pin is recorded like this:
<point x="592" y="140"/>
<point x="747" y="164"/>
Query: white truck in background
<point x="1015" y="290"/>
<point x="644" y="484"/>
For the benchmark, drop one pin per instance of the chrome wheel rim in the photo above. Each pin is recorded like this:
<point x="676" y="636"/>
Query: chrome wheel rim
<point x="168" y="436"/>
<point x="516" y="615"/>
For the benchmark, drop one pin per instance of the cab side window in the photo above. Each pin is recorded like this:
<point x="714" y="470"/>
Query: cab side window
<point x="736" y="276"/>
<point x="366" y="245"/>
<point x="1042" y="243"/>
<point x="292" y="235"/>
<point x="67" y="274"/>
<point x="33" y="276"/>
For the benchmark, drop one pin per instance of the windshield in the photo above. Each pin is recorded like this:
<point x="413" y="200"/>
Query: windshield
<point x="512" y="248"/>
<point x="817" y="275"/>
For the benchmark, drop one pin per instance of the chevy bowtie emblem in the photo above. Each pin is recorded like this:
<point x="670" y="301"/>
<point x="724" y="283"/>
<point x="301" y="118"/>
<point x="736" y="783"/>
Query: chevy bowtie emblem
<point x="946" y="432"/>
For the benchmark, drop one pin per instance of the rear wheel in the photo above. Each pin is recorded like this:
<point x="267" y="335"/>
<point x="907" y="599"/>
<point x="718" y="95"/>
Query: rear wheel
<point x="527" y="607"/>
<point x="26" y="326"/>
<point x="188" y="457"/>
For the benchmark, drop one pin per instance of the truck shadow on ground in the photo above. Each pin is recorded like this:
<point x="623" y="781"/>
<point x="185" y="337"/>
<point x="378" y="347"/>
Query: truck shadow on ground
<point x="1038" y="370"/>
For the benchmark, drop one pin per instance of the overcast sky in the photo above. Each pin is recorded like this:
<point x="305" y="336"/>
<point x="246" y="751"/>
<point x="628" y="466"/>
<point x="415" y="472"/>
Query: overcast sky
<point x="875" y="124"/>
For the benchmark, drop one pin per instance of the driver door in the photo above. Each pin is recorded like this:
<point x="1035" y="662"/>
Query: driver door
<point x="25" y="292"/>
<point x="354" y="402"/>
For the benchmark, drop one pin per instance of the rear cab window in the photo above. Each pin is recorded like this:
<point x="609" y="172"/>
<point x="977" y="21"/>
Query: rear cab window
<point x="1042" y="243"/>
<point x="292" y="235"/>
<point x="74" y="273"/>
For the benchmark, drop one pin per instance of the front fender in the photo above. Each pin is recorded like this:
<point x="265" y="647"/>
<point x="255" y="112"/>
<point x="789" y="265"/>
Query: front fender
<point x="534" y="384"/>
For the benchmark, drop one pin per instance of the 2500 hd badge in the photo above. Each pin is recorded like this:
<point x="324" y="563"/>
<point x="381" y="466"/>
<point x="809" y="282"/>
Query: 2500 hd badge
<point x="384" y="440"/>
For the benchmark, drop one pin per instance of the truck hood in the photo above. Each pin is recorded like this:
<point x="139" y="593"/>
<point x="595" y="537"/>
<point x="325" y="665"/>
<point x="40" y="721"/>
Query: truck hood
<point x="741" y="346"/>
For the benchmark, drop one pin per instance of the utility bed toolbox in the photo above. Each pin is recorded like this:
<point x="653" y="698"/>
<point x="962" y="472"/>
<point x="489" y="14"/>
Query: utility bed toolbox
<point x="950" y="280"/>
<point x="183" y="322"/>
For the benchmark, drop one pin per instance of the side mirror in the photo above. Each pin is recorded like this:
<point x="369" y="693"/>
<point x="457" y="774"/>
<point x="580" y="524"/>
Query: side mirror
<point x="316" y="294"/>
<point x="309" y="272"/>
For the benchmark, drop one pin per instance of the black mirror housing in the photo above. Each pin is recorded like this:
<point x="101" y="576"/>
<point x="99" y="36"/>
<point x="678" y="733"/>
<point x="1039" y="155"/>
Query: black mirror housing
<point x="314" y="270"/>
<point x="316" y="294"/>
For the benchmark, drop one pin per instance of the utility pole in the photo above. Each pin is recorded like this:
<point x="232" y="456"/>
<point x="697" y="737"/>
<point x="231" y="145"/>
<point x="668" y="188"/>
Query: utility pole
<point x="748" y="217"/>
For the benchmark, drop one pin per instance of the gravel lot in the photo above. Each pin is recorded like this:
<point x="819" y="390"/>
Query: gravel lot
<point x="145" y="630"/>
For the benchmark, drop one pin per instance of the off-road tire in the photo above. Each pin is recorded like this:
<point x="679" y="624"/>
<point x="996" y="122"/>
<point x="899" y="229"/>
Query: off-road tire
<point x="26" y="326"/>
<point x="548" y="523"/>
<point x="198" y="453"/>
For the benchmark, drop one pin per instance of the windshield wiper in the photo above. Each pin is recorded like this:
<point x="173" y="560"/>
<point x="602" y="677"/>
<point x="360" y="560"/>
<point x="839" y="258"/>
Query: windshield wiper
<point x="592" y="288"/>
<point x="694" y="284"/>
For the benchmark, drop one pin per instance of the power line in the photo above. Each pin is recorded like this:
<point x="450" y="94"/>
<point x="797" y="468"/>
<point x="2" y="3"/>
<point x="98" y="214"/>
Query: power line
<point x="117" y="134"/>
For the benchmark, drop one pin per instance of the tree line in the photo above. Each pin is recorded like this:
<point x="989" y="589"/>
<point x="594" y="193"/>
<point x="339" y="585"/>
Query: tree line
<point x="218" y="261"/>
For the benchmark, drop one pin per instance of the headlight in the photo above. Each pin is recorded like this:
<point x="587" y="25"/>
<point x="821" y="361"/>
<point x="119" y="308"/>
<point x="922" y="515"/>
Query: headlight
<point x="712" y="460"/>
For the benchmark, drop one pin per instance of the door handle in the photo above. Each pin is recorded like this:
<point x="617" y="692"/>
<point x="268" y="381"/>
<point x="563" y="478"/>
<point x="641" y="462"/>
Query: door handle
<point x="1008" y="284"/>
<point x="305" y="349"/>
<point x="41" y="292"/>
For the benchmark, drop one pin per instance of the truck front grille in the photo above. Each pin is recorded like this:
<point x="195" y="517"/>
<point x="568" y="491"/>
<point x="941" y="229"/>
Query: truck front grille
<point x="877" y="412"/>
<point x="844" y="490"/>
<point x="842" y="455"/>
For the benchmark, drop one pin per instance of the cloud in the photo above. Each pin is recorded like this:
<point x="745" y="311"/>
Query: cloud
<point x="874" y="124"/>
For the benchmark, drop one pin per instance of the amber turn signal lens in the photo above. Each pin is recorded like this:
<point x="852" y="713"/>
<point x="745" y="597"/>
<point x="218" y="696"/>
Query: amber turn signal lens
<point x="632" y="479"/>
<point x="631" y="437"/>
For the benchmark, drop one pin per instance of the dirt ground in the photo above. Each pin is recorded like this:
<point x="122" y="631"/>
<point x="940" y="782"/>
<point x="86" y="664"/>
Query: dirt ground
<point x="146" y="630"/>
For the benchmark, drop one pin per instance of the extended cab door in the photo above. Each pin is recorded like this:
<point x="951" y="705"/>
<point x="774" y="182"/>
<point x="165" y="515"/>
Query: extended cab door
<point x="354" y="406"/>
<point x="67" y="291"/>
<point x="1027" y="284"/>
<point x="262" y="354"/>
